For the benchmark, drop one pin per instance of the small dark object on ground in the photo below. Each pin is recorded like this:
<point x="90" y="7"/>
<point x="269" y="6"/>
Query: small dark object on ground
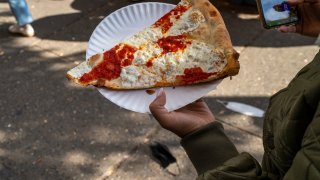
<point x="162" y="154"/>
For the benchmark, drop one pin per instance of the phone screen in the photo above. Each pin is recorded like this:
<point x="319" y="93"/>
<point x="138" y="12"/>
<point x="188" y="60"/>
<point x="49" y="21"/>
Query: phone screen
<point x="278" y="12"/>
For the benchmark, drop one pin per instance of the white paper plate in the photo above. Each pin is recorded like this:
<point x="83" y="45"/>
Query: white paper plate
<point x="122" y="24"/>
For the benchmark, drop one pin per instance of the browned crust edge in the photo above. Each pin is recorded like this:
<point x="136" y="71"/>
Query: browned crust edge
<point x="214" y="32"/>
<point x="69" y="77"/>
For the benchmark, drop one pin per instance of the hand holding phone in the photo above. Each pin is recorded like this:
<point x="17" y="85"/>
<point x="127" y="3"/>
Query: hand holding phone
<point x="309" y="13"/>
<point x="275" y="13"/>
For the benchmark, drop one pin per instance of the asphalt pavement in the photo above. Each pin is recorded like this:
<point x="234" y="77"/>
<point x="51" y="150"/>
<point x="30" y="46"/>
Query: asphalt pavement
<point x="52" y="129"/>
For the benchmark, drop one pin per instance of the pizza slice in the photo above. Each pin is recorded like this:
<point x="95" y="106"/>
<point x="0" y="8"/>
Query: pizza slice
<point x="188" y="45"/>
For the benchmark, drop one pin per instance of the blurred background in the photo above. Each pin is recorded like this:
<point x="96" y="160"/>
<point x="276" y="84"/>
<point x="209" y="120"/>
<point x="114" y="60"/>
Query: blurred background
<point x="51" y="129"/>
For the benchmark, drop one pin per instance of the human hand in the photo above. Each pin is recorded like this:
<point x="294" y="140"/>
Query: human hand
<point x="184" y="120"/>
<point x="309" y="13"/>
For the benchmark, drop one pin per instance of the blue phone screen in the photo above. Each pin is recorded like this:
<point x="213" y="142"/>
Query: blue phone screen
<point x="278" y="12"/>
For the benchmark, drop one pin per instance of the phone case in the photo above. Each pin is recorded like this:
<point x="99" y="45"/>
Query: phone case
<point x="262" y="18"/>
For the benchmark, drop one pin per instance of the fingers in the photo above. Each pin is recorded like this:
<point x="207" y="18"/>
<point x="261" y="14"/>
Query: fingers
<point x="157" y="108"/>
<point x="294" y="2"/>
<point x="310" y="1"/>
<point x="287" y="29"/>
<point x="158" y="104"/>
<point x="290" y="29"/>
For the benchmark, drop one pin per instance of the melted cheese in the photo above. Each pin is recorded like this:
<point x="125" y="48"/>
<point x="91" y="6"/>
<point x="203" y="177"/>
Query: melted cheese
<point x="203" y="55"/>
<point x="142" y="56"/>
<point x="144" y="37"/>
<point x="134" y="76"/>
<point x="188" y="22"/>
<point x="168" y="66"/>
<point x="165" y="67"/>
<point x="79" y="70"/>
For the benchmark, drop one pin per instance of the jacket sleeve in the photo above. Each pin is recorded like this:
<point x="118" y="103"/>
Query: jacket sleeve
<point x="306" y="163"/>
<point x="215" y="157"/>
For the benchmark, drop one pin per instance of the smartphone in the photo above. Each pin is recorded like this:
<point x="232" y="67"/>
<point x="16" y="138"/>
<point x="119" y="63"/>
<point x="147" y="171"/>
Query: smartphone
<point x="274" y="13"/>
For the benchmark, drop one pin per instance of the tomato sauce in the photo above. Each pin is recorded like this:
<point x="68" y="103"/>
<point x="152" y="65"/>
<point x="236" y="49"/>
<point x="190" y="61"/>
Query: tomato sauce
<point x="110" y="67"/>
<point x="127" y="55"/>
<point x="192" y="75"/>
<point x="150" y="62"/>
<point x="173" y="43"/>
<point x="150" y="91"/>
<point x="165" y="22"/>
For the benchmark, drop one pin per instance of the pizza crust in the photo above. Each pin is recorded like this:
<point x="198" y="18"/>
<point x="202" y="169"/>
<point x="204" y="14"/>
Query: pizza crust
<point x="214" y="32"/>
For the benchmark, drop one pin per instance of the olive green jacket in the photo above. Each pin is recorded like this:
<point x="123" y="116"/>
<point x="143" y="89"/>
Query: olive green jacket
<point x="291" y="137"/>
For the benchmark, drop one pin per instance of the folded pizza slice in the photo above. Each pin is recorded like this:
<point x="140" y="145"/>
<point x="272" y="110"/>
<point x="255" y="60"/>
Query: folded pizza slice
<point x="188" y="45"/>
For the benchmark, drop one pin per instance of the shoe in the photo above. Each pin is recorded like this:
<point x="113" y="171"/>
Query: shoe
<point x="26" y="30"/>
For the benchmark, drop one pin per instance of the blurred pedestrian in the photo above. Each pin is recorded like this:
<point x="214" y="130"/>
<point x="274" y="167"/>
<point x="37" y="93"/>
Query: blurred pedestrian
<point x="21" y="12"/>
<point x="291" y="128"/>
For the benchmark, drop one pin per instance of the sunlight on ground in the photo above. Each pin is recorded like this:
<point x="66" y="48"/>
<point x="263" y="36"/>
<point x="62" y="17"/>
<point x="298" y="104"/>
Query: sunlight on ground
<point x="248" y="16"/>
<point x="11" y="136"/>
<point x="77" y="158"/>
<point x="110" y="164"/>
<point x="100" y="134"/>
<point x="3" y="137"/>
<point x="61" y="66"/>
<point x="3" y="153"/>
<point x="271" y="71"/>
<point x="242" y="120"/>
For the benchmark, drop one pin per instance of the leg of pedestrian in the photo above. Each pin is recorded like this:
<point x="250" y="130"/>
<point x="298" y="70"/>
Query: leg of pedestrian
<point x="20" y="10"/>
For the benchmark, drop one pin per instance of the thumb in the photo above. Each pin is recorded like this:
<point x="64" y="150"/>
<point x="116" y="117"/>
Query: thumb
<point x="159" y="112"/>
<point x="287" y="29"/>
<point x="157" y="106"/>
